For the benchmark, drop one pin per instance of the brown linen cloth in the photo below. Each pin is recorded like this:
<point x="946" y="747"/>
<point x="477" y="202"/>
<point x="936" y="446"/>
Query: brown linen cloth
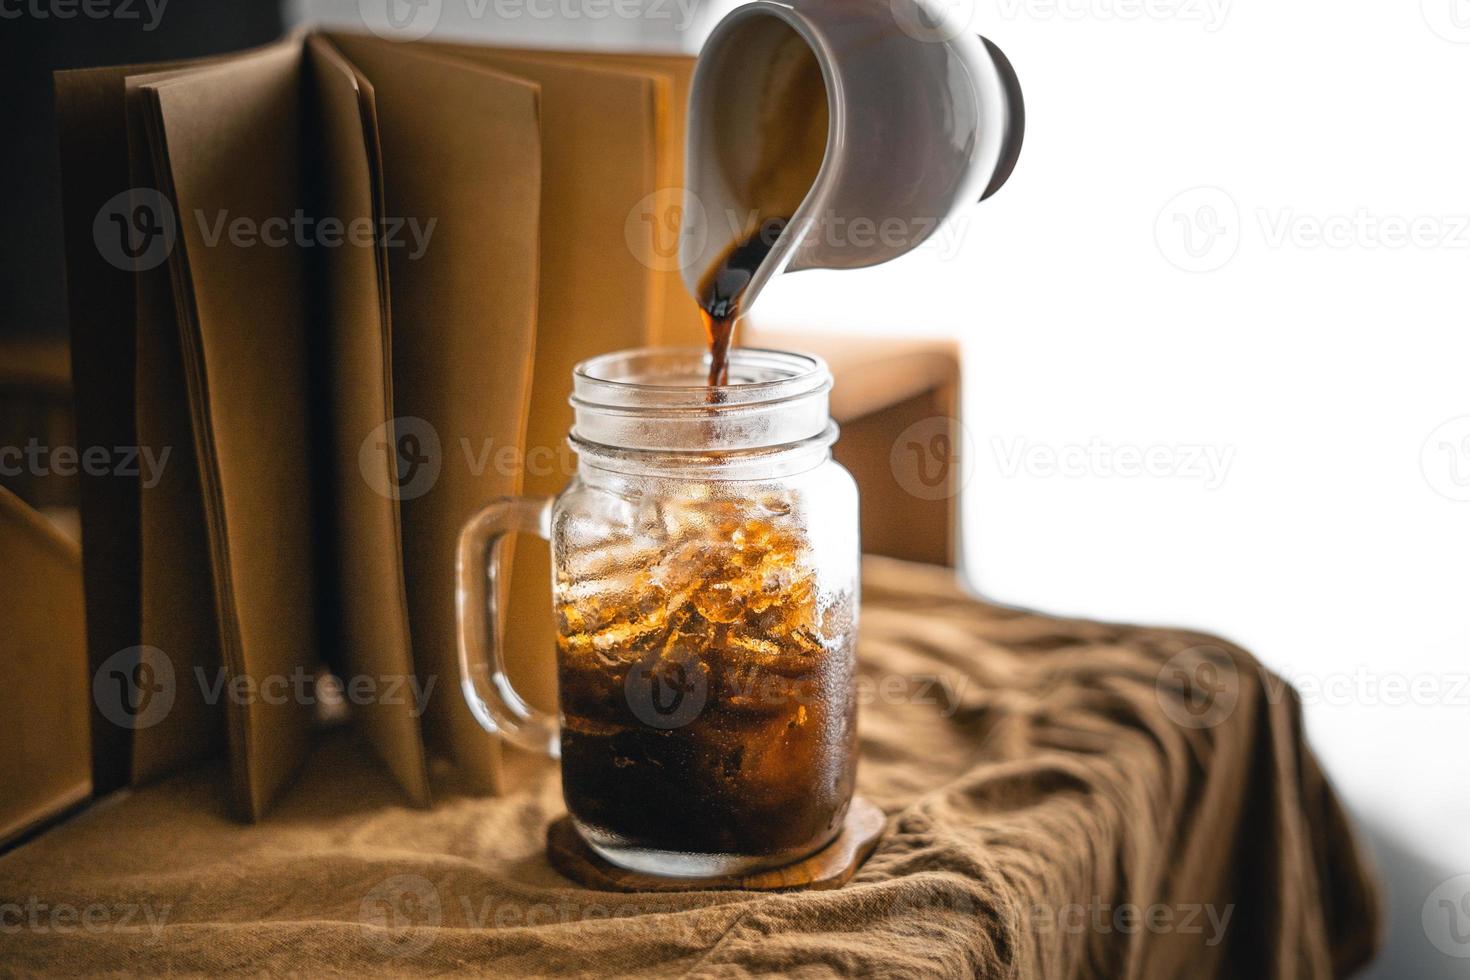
<point x="1061" y="805"/>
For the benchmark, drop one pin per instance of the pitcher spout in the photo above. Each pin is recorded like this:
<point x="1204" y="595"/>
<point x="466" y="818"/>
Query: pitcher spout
<point x="836" y="134"/>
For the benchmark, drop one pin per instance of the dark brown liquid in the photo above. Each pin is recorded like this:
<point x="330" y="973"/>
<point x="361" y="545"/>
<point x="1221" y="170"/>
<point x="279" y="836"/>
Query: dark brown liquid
<point x="707" y="705"/>
<point x="723" y="289"/>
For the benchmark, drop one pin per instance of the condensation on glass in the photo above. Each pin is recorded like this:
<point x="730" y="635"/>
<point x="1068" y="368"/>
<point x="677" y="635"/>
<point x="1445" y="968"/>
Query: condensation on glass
<point x="705" y="572"/>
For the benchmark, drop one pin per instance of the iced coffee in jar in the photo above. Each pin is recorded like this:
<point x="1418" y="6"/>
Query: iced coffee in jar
<point x="705" y="572"/>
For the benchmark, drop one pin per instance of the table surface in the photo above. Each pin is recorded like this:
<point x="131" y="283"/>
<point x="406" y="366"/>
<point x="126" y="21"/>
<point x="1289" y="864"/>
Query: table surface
<point x="1064" y="799"/>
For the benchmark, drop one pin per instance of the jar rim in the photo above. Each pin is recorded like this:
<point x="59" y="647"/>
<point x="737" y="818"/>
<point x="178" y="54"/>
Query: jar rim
<point x="622" y="379"/>
<point x="655" y="399"/>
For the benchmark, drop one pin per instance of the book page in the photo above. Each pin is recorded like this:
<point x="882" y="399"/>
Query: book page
<point x="178" y="624"/>
<point x="461" y="160"/>
<point x="675" y="318"/>
<point x="231" y="136"/>
<point x="369" y="616"/>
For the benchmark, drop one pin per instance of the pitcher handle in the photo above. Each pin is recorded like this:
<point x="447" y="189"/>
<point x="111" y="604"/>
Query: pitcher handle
<point x="486" y="685"/>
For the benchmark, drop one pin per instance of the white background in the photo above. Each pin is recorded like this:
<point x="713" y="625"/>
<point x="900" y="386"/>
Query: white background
<point x="1319" y="371"/>
<point x="1322" y="372"/>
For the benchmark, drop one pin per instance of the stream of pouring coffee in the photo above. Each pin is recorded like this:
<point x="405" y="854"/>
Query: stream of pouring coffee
<point x="772" y="145"/>
<point x="723" y="288"/>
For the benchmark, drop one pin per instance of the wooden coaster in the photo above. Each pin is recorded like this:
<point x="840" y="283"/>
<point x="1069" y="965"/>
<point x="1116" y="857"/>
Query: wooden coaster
<point x="831" y="867"/>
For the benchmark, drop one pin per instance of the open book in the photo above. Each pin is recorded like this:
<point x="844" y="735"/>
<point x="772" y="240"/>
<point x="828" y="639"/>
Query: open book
<point x="331" y="292"/>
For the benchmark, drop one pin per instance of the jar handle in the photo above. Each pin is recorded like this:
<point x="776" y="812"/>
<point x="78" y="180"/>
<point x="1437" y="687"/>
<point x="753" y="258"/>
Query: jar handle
<point x="486" y="685"/>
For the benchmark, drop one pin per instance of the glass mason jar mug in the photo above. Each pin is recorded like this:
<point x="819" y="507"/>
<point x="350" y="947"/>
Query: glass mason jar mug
<point x="704" y="581"/>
